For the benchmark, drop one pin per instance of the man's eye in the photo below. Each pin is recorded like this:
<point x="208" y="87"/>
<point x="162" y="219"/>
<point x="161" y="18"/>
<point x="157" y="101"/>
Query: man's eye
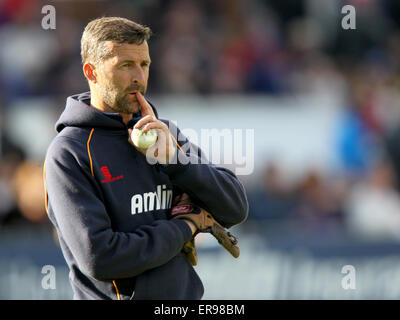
<point x="125" y="65"/>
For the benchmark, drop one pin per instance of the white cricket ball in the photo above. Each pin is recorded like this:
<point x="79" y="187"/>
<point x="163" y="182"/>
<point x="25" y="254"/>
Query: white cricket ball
<point x="142" y="139"/>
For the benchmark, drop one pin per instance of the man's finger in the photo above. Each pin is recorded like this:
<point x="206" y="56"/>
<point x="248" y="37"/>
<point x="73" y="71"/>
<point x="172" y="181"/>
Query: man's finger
<point x="143" y="121"/>
<point x="129" y="136"/>
<point x="155" y="125"/>
<point x="145" y="107"/>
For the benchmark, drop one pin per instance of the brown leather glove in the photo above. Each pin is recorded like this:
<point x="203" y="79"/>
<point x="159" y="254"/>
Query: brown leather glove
<point x="204" y="222"/>
<point x="189" y="249"/>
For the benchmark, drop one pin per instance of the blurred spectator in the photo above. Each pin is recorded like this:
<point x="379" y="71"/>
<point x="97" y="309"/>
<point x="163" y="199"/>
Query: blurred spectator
<point x="29" y="191"/>
<point x="181" y="48"/>
<point x="359" y="130"/>
<point x="10" y="157"/>
<point x="373" y="205"/>
<point x="393" y="150"/>
<point x="274" y="199"/>
<point x="28" y="51"/>
<point x="319" y="203"/>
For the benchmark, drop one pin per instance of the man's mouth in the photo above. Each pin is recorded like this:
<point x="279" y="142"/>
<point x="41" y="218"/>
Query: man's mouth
<point x="133" y="95"/>
<point x="134" y="91"/>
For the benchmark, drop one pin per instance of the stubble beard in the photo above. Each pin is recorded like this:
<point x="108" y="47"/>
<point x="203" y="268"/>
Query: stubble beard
<point x="118" y="102"/>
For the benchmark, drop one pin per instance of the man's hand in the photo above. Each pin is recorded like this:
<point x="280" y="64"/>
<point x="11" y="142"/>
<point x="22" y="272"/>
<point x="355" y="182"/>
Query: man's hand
<point x="181" y="198"/>
<point x="202" y="221"/>
<point x="163" y="150"/>
<point x="192" y="226"/>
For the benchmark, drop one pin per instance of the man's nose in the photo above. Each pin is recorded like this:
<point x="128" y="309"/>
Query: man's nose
<point x="138" y="76"/>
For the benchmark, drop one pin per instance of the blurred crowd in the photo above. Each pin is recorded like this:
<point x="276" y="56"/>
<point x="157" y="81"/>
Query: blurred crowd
<point x="275" y="48"/>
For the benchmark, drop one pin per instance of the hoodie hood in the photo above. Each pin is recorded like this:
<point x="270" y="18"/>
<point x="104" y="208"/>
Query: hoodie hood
<point x="79" y="113"/>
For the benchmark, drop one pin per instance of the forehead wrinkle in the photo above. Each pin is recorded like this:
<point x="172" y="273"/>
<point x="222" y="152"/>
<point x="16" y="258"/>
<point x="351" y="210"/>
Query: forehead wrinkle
<point x="124" y="51"/>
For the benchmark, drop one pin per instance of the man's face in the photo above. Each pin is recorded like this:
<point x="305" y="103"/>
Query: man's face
<point x="121" y="75"/>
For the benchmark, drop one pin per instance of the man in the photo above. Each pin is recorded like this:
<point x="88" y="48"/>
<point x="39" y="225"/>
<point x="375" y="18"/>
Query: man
<point x="109" y="204"/>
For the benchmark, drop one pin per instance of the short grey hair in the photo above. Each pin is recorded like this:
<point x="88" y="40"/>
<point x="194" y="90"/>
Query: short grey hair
<point x="100" y="30"/>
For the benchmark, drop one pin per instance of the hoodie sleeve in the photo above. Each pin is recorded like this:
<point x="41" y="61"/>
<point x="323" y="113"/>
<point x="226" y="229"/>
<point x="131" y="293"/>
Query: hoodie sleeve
<point x="76" y="208"/>
<point x="215" y="188"/>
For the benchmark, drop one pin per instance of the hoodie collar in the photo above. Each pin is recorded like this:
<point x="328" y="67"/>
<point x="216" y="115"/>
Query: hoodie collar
<point x="79" y="113"/>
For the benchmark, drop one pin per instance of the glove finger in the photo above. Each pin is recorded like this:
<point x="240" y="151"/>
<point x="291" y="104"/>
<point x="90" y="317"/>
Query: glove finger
<point x="190" y="251"/>
<point x="226" y="240"/>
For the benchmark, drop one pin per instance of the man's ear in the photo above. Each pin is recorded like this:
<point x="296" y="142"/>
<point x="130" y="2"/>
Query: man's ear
<point x="90" y="73"/>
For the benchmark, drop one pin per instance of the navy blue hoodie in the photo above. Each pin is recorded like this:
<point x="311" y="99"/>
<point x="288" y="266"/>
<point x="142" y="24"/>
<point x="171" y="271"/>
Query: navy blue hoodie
<point x="110" y="207"/>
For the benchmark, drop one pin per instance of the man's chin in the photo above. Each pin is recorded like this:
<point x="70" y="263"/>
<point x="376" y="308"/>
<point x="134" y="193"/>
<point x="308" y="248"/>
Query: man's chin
<point x="130" y="108"/>
<point x="133" y="104"/>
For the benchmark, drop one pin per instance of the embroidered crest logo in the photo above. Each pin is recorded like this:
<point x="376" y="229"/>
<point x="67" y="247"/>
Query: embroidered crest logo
<point x="107" y="175"/>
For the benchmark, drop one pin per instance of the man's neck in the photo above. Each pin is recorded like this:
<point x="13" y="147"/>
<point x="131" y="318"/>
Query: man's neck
<point x="126" y="117"/>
